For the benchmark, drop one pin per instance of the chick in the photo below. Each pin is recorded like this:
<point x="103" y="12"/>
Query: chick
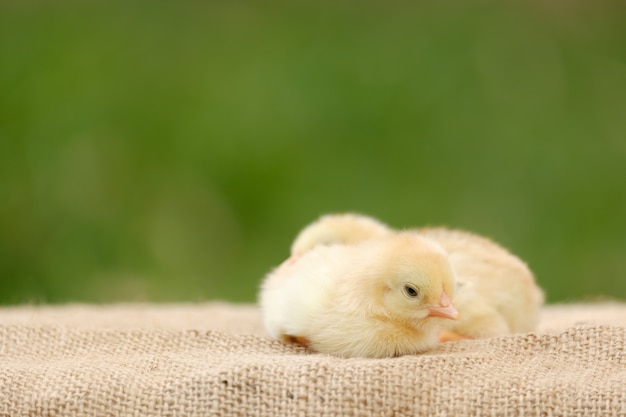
<point x="385" y="296"/>
<point x="347" y="228"/>
<point x="496" y="293"/>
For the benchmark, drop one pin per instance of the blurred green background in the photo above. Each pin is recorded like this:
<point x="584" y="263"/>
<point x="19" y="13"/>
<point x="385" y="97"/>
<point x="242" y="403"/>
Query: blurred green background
<point x="170" y="151"/>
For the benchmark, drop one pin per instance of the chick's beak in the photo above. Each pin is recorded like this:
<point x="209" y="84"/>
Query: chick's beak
<point x="289" y="261"/>
<point x="445" y="308"/>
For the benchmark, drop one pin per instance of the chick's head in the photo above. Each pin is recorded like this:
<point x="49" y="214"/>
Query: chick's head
<point x="344" y="228"/>
<point x="418" y="280"/>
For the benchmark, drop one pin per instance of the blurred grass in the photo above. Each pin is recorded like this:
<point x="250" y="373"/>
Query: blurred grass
<point x="171" y="150"/>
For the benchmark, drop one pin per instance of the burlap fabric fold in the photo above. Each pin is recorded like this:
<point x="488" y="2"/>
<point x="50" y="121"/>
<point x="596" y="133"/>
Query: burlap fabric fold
<point x="215" y="360"/>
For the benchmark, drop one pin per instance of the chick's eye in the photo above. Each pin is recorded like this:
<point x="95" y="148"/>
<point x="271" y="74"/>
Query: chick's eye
<point x="410" y="291"/>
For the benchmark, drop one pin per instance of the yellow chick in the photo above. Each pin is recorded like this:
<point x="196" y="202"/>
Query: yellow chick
<point x="346" y="228"/>
<point x="382" y="297"/>
<point x="496" y="293"/>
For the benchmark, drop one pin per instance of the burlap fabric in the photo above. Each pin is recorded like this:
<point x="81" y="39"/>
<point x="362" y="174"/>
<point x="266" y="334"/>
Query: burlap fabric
<point x="213" y="359"/>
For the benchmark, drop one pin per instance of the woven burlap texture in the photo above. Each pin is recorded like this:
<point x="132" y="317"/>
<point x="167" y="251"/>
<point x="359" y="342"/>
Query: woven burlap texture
<point x="215" y="360"/>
